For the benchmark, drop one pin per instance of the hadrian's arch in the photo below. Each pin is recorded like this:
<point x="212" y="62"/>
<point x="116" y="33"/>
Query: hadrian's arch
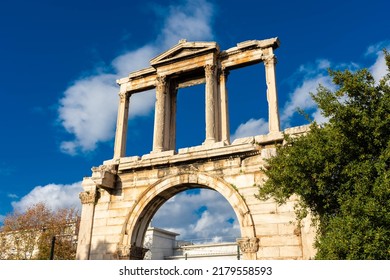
<point x="122" y="195"/>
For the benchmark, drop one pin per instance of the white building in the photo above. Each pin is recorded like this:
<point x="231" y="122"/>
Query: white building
<point x="162" y="245"/>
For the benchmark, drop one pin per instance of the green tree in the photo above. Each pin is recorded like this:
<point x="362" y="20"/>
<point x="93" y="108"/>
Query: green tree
<point x="29" y="235"/>
<point x="341" y="170"/>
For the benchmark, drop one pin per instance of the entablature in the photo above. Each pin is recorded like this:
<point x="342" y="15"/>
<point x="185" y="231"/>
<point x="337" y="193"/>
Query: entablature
<point x="187" y="59"/>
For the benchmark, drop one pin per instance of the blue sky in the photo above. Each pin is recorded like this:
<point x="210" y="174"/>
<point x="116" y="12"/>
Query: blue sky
<point x="59" y="61"/>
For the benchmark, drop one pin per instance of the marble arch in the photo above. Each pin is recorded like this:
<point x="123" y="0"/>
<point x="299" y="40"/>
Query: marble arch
<point x="123" y="193"/>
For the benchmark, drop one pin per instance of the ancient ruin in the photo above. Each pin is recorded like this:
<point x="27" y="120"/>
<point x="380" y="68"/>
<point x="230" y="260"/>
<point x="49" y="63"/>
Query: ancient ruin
<point x="124" y="193"/>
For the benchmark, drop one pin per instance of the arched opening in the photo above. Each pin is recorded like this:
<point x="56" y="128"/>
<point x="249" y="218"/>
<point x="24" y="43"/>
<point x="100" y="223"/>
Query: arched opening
<point x="156" y="195"/>
<point x="193" y="223"/>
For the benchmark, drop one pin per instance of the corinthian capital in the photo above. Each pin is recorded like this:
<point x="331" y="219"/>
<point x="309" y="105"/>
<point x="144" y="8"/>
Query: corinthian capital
<point x="123" y="96"/>
<point x="270" y="60"/>
<point x="88" y="197"/>
<point x="209" y="69"/>
<point x="161" y="83"/>
<point x="248" y="245"/>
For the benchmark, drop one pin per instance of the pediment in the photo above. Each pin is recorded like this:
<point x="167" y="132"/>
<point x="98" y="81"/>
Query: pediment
<point x="184" y="49"/>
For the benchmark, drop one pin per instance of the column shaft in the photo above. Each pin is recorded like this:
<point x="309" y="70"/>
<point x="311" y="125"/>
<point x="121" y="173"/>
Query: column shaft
<point x="121" y="125"/>
<point x="172" y="118"/>
<point x="272" y="95"/>
<point x="210" y="104"/>
<point x="160" y="115"/>
<point x="88" y="199"/>
<point x="225" y="126"/>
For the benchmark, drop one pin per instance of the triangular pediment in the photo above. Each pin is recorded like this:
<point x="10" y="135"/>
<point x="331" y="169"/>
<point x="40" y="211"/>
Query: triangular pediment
<point x="184" y="49"/>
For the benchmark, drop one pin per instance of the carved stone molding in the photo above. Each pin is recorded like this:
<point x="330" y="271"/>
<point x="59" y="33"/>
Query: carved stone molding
<point x="105" y="168"/>
<point x="248" y="245"/>
<point x="104" y="176"/>
<point x="89" y="197"/>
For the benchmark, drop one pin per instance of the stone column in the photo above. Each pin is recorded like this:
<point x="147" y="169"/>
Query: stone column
<point x="172" y="117"/>
<point x="225" y="127"/>
<point x="272" y="94"/>
<point x="160" y="115"/>
<point x="210" y="104"/>
<point x="88" y="199"/>
<point x="121" y="124"/>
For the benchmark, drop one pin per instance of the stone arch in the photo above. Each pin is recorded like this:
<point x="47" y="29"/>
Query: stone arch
<point x="139" y="216"/>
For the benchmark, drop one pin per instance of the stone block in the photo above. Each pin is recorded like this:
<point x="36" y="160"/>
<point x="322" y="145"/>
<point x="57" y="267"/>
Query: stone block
<point x="100" y="222"/>
<point x="107" y="230"/>
<point x="268" y="153"/>
<point x="264" y="208"/>
<point x="244" y="180"/>
<point x="269" y="252"/>
<point x="121" y="204"/>
<point x="100" y="214"/>
<point x="267" y="138"/>
<point x="291" y="251"/>
<point x="287" y="207"/>
<point x="267" y="229"/>
<point x="288" y="228"/>
<point x="103" y="206"/>
<point x="114" y="213"/>
<point x="273" y="218"/>
<point x="244" y="140"/>
<point x="108" y="256"/>
<point x="158" y="155"/>
<point x="98" y="240"/>
<point x="116" y="221"/>
<point x="114" y="239"/>
<point x="96" y="256"/>
<point x="297" y="130"/>
<point x="280" y="240"/>
<point x="129" y="159"/>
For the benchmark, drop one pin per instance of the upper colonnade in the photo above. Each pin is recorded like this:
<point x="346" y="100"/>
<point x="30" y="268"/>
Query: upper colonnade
<point x="191" y="63"/>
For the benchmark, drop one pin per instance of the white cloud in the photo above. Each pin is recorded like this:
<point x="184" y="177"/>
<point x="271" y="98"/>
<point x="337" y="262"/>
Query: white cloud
<point x="311" y="77"/>
<point x="198" y="217"/>
<point x="55" y="196"/>
<point x="88" y="109"/>
<point x="134" y="60"/>
<point x="12" y="195"/>
<point x="191" y="21"/>
<point x="251" y="128"/>
<point x="300" y="98"/>
<point x="379" y="68"/>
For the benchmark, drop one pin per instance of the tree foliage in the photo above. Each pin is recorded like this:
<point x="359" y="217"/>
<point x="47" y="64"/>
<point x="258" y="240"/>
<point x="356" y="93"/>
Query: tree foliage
<point x="340" y="170"/>
<point x="29" y="235"/>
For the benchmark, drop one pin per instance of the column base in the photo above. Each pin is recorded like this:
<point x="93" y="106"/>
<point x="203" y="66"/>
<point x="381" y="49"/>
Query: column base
<point x="209" y="142"/>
